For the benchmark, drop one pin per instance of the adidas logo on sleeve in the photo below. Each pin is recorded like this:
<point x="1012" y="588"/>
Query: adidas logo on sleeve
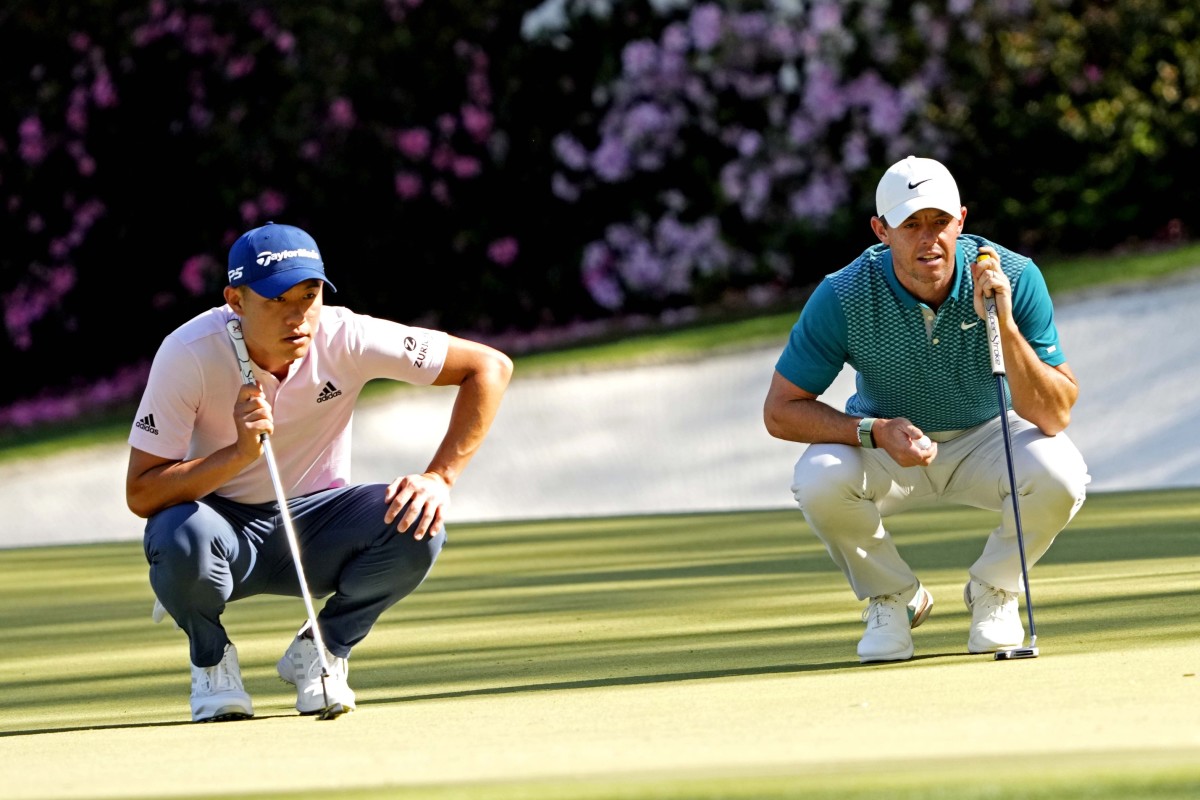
<point x="146" y="423"/>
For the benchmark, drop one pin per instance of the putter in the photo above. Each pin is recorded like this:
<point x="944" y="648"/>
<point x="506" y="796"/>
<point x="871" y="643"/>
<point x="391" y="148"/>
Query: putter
<point x="997" y="355"/>
<point x="331" y="711"/>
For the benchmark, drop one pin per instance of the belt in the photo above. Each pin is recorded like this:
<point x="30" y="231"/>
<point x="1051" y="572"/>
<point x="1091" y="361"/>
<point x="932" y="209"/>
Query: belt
<point x="945" y="436"/>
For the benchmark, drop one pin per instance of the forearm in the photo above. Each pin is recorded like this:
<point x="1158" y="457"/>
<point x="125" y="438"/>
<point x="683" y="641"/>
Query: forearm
<point x="795" y="415"/>
<point x="471" y="417"/>
<point x="809" y="420"/>
<point x="153" y="489"/>
<point x="1040" y="393"/>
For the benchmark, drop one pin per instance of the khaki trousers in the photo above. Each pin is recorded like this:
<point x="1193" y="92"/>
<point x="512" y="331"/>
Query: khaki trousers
<point x="846" y="492"/>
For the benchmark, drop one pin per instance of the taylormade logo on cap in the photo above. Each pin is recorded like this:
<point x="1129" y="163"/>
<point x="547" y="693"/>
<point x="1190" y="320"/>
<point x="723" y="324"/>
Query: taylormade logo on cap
<point x="267" y="256"/>
<point x="274" y="258"/>
<point x="913" y="184"/>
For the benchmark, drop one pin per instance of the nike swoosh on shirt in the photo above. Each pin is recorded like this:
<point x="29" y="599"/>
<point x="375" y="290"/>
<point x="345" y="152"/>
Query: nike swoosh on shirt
<point x="912" y="185"/>
<point x="967" y="327"/>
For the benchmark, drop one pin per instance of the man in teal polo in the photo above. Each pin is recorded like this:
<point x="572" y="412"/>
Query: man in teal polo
<point x="923" y="425"/>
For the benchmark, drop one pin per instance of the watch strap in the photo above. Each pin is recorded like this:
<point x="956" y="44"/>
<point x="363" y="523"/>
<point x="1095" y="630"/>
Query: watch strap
<point x="864" y="432"/>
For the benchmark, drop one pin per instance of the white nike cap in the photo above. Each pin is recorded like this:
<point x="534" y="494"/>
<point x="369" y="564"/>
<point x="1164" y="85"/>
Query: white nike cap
<point x="913" y="184"/>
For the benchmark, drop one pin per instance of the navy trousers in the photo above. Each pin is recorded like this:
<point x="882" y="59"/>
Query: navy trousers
<point x="207" y="553"/>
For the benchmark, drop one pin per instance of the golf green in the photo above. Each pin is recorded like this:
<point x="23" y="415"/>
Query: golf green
<point x="674" y="656"/>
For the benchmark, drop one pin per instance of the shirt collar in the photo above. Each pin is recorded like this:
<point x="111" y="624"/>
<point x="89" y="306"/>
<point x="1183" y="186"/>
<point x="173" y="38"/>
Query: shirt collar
<point x="905" y="296"/>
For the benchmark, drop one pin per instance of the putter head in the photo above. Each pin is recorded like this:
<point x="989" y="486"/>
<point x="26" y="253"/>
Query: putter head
<point x="1016" y="652"/>
<point x="332" y="712"/>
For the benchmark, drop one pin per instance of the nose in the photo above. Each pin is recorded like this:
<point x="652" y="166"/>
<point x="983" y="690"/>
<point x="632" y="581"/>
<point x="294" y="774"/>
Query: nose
<point x="294" y="317"/>
<point x="927" y="234"/>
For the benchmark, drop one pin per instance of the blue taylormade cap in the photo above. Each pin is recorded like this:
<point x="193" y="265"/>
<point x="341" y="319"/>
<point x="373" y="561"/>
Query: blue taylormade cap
<point x="274" y="258"/>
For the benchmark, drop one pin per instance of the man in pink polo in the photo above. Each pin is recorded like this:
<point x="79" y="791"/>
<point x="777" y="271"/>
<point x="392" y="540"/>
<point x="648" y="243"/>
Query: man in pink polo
<point x="197" y="475"/>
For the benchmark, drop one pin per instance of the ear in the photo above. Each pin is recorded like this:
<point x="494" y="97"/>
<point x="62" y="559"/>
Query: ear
<point x="880" y="228"/>
<point x="234" y="298"/>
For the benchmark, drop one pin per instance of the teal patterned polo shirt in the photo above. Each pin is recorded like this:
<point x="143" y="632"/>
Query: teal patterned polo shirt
<point x="931" y="367"/>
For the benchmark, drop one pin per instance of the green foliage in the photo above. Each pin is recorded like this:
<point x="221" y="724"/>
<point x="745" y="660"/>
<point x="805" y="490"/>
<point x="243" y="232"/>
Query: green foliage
<point x="418" y="141"/>
<point x="638" y="345"/>
<point x="1085" y="116"/>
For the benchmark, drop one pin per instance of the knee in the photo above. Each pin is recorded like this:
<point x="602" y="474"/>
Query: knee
<point x="409" y="554"/>
<point x="177" y="538"/>
<point x="420" y="555"/>
<point x="400" y="566"/>
<point x="828" y="475"/>
<point x="1054" y="474"/>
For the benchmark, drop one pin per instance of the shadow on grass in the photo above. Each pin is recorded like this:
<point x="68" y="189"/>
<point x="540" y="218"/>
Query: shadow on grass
<point x="138" y="726"/>
<point x="582" y="604"/>
<point x="677" y="677"/>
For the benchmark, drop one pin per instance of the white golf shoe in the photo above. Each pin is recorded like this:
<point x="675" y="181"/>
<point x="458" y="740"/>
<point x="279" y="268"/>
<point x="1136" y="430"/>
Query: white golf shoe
<point x="217" y="692"/>
<point x="995" y="618"/>
<point x="890" y="621"/>
<point x="301" y="667"/>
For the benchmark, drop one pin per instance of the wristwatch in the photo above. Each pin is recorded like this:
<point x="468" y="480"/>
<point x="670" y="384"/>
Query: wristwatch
<point x="864" y="432"/>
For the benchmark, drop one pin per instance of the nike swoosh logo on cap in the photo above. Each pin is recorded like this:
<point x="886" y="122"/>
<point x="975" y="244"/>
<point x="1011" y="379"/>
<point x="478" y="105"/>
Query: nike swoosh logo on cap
<point x="912" y="185"/>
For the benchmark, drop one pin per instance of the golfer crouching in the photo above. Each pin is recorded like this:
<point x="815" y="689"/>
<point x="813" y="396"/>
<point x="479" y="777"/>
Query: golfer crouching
<point x="208" y="440"/>
<point x="923" y="427"/>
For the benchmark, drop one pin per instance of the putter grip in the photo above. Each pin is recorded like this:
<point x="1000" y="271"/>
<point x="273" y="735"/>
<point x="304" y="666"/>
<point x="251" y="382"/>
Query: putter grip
<point x="995" y="351"/>
<point x="234" y="327"/>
